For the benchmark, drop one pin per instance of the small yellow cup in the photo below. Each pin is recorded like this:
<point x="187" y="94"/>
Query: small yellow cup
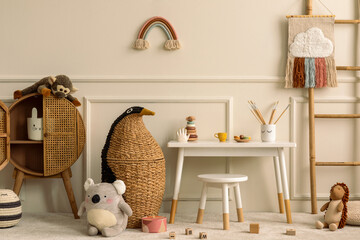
<point x="221" y="136"/>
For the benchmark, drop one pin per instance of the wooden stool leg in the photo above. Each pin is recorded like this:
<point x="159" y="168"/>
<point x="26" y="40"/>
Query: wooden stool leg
<point x="201" y="210"/>
<point x="67" y="183"/>
<point x="225" y="192"/>
<point x="18" y="181"/>
<point x="238" y="203"/>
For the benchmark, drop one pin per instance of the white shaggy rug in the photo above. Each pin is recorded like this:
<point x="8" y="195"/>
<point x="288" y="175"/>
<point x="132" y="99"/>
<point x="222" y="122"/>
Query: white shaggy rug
<point x="61" y="226"/>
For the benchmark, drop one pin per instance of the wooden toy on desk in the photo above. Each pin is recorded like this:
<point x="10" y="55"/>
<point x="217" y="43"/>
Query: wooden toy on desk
<point x="188" y="231"/>
<point x="242" y="138"/>
<point x="191" y="128"/>
<point x="202" y="235"/>
<point x="254" y="228"/>
<point x="291" y="232"/>
<point x="172" y="235"/>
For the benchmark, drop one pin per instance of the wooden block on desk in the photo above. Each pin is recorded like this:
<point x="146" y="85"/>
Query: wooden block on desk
<point x="188" y="231"/>
<point x="254" y="228"/>
<point x="172" y="235"/>
<point x="202" y="235"/>
<point x="291" y="232"/>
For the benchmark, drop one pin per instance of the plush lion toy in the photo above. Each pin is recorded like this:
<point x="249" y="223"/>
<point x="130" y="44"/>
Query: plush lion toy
<point x="336" y="209"/>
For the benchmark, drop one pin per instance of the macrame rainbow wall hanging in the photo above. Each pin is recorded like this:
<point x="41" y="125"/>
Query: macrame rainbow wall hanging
<point x="171" y="44"/>
<point x="310" y="62"/>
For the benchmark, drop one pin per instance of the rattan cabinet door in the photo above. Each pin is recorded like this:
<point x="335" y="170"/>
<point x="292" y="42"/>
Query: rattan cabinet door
<point x="60" y="135"/>
<point x="4" y="135"/>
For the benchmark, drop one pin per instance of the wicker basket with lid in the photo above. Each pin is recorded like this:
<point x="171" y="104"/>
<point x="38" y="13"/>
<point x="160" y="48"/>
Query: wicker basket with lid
<point x="132" y="154"/>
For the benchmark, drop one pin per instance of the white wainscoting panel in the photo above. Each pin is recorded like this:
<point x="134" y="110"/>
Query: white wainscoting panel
<point x="215" y="114"/>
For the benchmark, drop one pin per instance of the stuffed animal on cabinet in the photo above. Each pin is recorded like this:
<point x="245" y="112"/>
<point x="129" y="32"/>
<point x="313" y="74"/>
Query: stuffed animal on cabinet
<point x="61" y="86"/>
<point x="107" y="211"/>
<point x="336" y="209"/>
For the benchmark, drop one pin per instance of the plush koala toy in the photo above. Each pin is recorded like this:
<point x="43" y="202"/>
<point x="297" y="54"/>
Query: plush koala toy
<point x="107" y="211"/>
<point x="60" y="86"/>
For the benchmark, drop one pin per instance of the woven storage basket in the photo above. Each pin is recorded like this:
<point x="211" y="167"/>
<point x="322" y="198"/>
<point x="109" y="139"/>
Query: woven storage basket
<point x="134" y="156"/>
<point x="10" y="208"/>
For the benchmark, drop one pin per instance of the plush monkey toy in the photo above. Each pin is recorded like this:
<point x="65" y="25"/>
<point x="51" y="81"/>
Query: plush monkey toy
<point x="61" y="86"/>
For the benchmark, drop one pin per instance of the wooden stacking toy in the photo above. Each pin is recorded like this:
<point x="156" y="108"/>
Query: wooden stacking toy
<point x="191" y="128"/>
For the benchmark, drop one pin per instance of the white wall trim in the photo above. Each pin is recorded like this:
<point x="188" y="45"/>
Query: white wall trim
<point x="160" y="79"/>
<point x="294" y="101"/>
<point x="89" y="100"/>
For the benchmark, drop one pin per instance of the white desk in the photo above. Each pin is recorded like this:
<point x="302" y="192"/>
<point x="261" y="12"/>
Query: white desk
<point x="235" y="149"/>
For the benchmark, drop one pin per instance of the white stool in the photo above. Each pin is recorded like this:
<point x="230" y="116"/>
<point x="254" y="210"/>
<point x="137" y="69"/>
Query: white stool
<point x="224" y="181"/>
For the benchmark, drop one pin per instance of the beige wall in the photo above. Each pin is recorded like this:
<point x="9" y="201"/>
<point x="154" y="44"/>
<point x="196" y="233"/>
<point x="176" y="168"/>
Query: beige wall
<point x="232" y="51"/>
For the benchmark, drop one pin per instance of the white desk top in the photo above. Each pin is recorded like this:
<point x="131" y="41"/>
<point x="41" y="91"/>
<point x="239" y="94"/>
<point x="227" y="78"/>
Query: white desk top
<point x="229" y="144"/>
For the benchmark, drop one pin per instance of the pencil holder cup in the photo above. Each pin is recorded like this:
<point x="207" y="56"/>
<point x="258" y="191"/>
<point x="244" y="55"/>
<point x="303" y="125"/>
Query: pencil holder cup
<point x="35" y="126"/>
<point x="268" y="133"/>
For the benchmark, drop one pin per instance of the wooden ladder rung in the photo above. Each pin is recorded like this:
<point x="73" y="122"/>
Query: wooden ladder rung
<point x="337" y="115"/>
<point x="337" y="163"/>
<point x="3" y="135"/>
<point x="355" y="21"/>
<point x="348" y="68"/>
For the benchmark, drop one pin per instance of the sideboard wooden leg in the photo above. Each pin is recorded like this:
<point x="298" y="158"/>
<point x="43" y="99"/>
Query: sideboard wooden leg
<point x="67" y="183"/>
<point x="18" y="181"/>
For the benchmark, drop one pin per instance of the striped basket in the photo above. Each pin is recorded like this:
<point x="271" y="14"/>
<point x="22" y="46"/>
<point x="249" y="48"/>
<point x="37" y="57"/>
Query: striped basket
<point x="10" y="208"/>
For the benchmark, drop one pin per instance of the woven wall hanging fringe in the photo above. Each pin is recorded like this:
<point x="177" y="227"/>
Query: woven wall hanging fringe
<point x="310" y="62"/>
<point x="171" y="44"/>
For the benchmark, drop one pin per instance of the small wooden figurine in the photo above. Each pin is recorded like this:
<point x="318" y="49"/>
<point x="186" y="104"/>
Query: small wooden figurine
<point x="191" y="128"/>
<point x="254" y="228"/>
<point x="202" y="235"/>
<point x="172" y="235"/>
<point x="188" y="231"/>
<point x="291" y="232"/>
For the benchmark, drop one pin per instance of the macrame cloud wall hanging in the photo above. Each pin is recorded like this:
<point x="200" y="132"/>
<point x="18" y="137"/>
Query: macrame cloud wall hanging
<point x="310" y="62"/>
<point x="172" y="42"/>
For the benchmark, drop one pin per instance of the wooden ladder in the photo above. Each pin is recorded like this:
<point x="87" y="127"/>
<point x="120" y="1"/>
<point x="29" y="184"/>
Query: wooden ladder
<point x="312" y="116"/>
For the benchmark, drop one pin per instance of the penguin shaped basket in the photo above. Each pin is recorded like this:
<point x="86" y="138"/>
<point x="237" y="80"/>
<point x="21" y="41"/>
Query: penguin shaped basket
<point x="132" y="155"/>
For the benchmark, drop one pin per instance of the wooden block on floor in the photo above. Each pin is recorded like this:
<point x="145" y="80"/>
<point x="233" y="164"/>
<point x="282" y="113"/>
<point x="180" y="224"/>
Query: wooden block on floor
<point x="254" y="228"/>
<point x="291" y="232"/>
<point x="172" y="235"/>
<point x="188" y="231"/>
<point x="202" y="235"/>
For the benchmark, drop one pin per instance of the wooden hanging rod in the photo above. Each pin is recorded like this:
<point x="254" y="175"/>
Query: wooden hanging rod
<point x="308" y="16"/>
<point x="337" y="115"/>
<point x="356" y="21"/>
<point x="348" y="68"/>
<point x="337" y="163"/>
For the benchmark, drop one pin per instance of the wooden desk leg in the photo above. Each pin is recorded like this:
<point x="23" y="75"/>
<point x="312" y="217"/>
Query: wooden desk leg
<point x="179" y="168"/>
<point x="278" y="184"/>
<point x="67" y="183"/>
<point x="18" y="181"/>
<point x="285" y="184"/>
